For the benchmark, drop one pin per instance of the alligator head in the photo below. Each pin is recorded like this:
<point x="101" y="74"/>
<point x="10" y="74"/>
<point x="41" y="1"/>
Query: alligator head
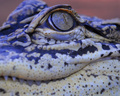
<point x="55" y="51"/>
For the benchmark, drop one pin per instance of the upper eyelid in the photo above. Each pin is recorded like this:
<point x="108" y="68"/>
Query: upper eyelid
<point x="37" y="20"/>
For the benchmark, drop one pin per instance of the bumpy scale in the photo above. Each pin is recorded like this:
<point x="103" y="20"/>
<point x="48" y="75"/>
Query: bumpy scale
<point x="54" y="51"/>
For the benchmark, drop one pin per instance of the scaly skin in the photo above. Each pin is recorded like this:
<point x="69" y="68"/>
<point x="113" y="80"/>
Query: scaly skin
<point x="73" y="55"/>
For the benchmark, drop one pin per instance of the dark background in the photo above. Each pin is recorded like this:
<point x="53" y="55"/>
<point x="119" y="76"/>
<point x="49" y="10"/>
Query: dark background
<point x="105" y="9"/>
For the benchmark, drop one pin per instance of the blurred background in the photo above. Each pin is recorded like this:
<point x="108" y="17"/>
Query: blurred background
<point x="105" y="9"/>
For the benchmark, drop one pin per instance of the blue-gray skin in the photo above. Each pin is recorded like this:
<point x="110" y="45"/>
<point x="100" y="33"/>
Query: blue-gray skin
<point x="54" y="51"/>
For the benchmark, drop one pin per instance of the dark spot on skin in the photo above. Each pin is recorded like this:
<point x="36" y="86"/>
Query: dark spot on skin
<point x="91" y="85"/>
<point x="41" y="92"/>
<point x="64" y="90"/>
<point x="65" y="64"/>
<point x="49" y="66"/>
<point x="102" y="91"/>
<point x="75" y="64"/>
<point x="110" y="78"/>
<point x="68" y="86"/>
<point x="48" y="39"/>
<point x="97" y="92"/>
<point x="104" y="74"/>
<point x="110" y="54"/>
<point x="84" y="79"/>
<point x="105" y="47"/>
<point x="110" y="88"/>
<point x="53" y="93"/>
<point x="35" y="93"/>
<point x="81" y="51"/>
<point x="85" y="86"/>
<point x="87" y="70"/>
<point x="2" y="90"/>
<point x="30" y="67"/>
<point x="117" y="82"/>
<point x="117" y="78"/>
<point x="17" y="94"/>
<point x="14" y="67"/>
<point x="42" y="66"/>
<point x="109" y="83"/>
<point x="81" y="74"/>
<point x="102" y="55"/>
<point x="88" y="75"/>
<point x="92" y="75"/>
<point x="79" y="78"/>
<point x="33" y="58"/>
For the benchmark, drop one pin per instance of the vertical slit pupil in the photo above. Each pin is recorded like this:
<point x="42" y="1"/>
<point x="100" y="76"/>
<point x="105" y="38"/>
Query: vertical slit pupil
<point x="62" y="20"/>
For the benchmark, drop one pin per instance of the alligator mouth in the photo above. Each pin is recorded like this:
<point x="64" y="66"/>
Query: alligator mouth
<point x="28" y="82"/>
<point x="39" y="82"/>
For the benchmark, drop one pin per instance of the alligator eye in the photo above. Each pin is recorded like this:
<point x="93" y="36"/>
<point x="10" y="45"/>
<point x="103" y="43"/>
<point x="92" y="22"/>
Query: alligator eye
<point x="61" y="20"/>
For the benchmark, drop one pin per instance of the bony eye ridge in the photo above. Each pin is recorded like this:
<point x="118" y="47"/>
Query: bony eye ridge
<point x="60" y="18"/>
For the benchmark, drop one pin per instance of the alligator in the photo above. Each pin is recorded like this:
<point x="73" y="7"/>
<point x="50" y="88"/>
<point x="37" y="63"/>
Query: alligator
<point x="54" y="51"/>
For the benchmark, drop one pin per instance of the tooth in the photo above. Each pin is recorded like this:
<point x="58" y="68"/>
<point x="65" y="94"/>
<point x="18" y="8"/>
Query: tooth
<point x="14" y="78"/>
<point x="21" y="81"/>
<point x="6" y="78"/>
<point x="38" y="82"/>
<point x="29" y="82"/>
